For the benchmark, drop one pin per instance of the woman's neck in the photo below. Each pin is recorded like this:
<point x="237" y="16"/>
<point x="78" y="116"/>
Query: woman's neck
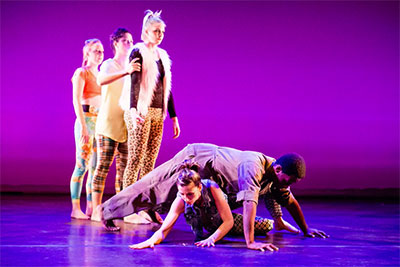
<point x="152" y="47"/>
<point x="121" y="59"/>
<point x="94" y="68"/>
<point x="153" y="50"/>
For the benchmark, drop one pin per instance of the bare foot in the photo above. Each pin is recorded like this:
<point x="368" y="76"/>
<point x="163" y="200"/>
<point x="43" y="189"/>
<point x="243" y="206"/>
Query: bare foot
<point x="89" y="208"/>
<point x="97" y="214"/>
<point x="78" y="214"/>
<point x="107" y="224"/>
<point x="110" y="226"/>
<point x="136" y="219"/>
<point x="145" y="215"/>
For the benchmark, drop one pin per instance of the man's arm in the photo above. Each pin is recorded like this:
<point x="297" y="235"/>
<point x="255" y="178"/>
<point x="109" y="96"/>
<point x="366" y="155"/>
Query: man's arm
<point x="249" y="177"/>
<point x="249" y="214"/>
<point x="276" y="212"/>
<point x="295" y="210"/>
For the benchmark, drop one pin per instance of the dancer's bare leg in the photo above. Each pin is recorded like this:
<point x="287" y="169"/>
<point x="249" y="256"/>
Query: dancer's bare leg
<point x="96" y="202"/>
<point x="77" y="213"/>
<point x="89" y="208"/>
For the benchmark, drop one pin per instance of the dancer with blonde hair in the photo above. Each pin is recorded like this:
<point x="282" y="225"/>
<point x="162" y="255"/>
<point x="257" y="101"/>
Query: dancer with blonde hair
<point x="149" y="99"/>
<point x="86" y="101"/>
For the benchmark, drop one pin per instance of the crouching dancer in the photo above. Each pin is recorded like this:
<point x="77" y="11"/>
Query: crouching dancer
<point x="204" y="206"/>
<point x="242" y="175"/>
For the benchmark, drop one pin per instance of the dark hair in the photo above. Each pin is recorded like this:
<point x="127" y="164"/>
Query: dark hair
<point x="292" y="164"/>
<point x="188" y="173"/>
<point x="116" y="35"/>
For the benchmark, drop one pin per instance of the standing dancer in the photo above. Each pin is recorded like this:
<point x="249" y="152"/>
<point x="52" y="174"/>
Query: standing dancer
<point x="150" y="99"/>
<point x="110" y="129"/>
<point x="86" y="100"/>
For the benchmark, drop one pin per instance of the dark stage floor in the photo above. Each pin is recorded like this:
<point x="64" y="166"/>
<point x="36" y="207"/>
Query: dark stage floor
<point x="37" y="231"/>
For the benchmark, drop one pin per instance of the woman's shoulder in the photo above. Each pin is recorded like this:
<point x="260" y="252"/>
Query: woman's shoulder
<point x="80" y="72"/>
<point x="209" y="183"/>
<point x="162" y="51"/>
<point x="108" y="61"/>
<point x="139" y="46"/>
<point x="107" y="65"/>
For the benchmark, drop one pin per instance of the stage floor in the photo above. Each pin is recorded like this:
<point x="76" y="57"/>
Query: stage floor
<point x="36" y="230"/>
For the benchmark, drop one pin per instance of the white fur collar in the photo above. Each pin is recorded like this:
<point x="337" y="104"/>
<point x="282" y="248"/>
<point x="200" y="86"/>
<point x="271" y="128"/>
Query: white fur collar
<point x="148" y="83"/>
<point x="150" y="76"/>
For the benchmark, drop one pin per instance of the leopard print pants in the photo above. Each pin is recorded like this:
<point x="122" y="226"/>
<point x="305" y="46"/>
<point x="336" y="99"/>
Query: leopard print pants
<point x="144" y="143"/>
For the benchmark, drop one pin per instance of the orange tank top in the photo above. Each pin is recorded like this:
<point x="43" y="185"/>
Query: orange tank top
<point x="91" y="88"/>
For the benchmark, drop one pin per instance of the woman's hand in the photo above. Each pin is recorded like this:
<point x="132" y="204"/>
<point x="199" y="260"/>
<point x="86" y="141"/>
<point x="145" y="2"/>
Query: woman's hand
<point x="155" y="239"/>
<point x="135" y="117"/>
<point x="209" y="242"/>
<point x="84" y="135"/>
<point x="133" y="66"/>
<point x="149" y="243"/>
<point x="177" y="129"/>
<point x="311" y="232"/>
<point x="262" y="246"/>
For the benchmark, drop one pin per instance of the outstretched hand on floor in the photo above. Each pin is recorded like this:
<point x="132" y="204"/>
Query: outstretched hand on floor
<point x="315" y="233"/>
<point x="262" y="246"/>
<point x="145" y="244"/>
<point x="209" y="242"/>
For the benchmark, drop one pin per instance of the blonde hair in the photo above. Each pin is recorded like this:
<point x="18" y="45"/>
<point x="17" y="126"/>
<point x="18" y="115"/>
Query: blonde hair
<point x="86" y="49"/>
<point x="150" y="18"/>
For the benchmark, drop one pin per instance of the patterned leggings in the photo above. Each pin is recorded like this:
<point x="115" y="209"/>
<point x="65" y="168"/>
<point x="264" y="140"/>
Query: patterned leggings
<point x="85" y="155"/>
<point x="261" y="225"/>
<point x="144" y="143"/>
<point x="107" y="149"/>
<point x="273" y="207"/>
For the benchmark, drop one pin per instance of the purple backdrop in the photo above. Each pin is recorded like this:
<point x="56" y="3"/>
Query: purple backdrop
<point x="318" y="78"/>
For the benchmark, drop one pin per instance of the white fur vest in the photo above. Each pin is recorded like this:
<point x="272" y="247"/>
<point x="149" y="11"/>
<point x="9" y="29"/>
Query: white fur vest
<point x="150" y="76"/>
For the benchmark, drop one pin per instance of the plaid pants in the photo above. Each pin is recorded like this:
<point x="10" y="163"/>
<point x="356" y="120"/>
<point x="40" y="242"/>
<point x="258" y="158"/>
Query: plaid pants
<point x="107" y="149"/>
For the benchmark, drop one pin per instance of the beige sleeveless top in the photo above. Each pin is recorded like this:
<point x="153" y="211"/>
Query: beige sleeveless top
<point x="110" y="120"/>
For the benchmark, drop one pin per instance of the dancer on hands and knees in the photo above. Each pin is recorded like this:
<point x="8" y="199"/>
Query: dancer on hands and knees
<point x="204" y="206"/>
<point x="111" y="133"/>
<point x="243" y="176"/>
<point x="86" y="100"/>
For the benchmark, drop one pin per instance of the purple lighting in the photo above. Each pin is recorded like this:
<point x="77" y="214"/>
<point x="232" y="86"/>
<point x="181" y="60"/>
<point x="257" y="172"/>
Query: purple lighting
<point x="317" y="78"/>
